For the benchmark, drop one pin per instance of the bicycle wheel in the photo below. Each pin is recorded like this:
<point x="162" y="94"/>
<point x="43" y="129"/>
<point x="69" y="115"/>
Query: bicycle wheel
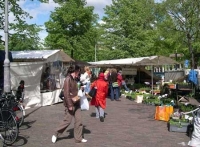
<point x="19" y="111"/>
<point x="8" y="127"/>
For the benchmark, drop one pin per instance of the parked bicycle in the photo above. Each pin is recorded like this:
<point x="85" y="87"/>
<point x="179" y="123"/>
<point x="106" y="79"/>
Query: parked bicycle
<point x="13" y="104"/>
<point x="8" y="124"/>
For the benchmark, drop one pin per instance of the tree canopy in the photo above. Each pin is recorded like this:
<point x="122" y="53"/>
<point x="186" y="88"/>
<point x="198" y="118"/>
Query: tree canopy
<point x="24" y="36"/>
<point x="72" y="28"/>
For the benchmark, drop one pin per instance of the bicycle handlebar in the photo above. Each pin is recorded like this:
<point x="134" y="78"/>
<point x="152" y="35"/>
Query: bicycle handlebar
<point x="192" y="111"/>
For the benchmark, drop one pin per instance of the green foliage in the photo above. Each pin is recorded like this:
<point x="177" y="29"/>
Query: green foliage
<point x="24" y="36"/>
<point x="178" y="122"/>
<point x="183" y="18"/>
<point x="72" y="28"/>
<point x="150" y="99"/>
<point x="129" y="28"/>
<point x="166" y="101"/>
<point x="187" y="108"/>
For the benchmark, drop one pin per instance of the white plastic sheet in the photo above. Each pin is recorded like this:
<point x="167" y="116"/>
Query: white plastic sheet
<point x="195" y="140"/>
<point x="84" y="103"/>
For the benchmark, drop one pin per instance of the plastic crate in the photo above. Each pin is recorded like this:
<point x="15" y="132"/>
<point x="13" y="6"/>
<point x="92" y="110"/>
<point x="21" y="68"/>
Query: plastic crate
<point x="182" y="128"/>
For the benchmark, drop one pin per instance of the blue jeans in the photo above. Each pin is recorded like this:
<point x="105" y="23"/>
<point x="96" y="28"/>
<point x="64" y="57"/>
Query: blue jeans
<point x="114" y="92"/>
<point x="125" y="87"/>
<point x="87" y="88"/>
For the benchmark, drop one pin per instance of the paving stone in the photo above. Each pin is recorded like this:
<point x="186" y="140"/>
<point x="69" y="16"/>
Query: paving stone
<point x="127" y="124"/>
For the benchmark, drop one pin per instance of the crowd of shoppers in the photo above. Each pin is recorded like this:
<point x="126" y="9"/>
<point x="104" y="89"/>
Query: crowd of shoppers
<point x="108" y="82"/>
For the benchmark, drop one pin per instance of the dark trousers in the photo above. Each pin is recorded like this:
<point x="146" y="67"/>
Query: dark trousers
<point x="78" y="127"/>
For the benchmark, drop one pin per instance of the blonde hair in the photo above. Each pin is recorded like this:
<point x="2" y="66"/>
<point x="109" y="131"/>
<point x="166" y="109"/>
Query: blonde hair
<point x="86" y="68"/>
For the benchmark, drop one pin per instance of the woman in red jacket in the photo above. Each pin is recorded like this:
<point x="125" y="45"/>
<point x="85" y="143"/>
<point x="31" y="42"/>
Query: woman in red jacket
<point x="99" y="101"/>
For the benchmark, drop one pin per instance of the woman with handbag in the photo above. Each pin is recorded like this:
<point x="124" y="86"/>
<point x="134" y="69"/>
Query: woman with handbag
<point x="114" y="85"/>
<point x="99" y="101"/>
<point x="72" y="106"/>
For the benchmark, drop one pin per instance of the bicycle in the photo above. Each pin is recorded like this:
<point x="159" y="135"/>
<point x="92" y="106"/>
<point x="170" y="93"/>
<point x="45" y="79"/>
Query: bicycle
<point x="14" y="105"/>
<point x="8" y="125"/>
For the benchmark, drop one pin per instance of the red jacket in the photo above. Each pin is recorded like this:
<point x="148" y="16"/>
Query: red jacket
<point x="119" y="80"/>
<point x="102" y="91"/>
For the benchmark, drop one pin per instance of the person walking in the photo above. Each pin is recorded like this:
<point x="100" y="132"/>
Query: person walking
<point x="72" y="106"/>
<point x="85" y="79"/>
<point x="113" y="85"/>
<point x="99" y="101"/>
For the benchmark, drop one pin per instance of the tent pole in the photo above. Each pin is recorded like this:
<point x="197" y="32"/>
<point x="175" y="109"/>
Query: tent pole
<point x="152" y="79"/>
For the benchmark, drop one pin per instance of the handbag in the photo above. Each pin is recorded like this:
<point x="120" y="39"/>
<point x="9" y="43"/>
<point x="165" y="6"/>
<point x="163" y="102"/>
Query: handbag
<point x="115" y="84"/>
<point x="61" y="95"/>
<point x="93" y="92"/>
<point x="75" y="99"/>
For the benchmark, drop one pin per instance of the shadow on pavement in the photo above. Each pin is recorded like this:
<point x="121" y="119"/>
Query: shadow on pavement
<point x="21" y="141"/>
<point x="27" y="125"/>
<point x="32" y="112"/>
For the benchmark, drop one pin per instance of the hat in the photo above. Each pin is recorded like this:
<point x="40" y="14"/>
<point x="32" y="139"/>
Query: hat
<point x="101" y="76"/>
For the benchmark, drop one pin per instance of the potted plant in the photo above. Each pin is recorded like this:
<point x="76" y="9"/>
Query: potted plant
<point x="144" y="89"/>
<point x="184" y="85"/>
<point x="178" y="125"/>
<point x="171" y="85"/>
<point x="139" y="97"/>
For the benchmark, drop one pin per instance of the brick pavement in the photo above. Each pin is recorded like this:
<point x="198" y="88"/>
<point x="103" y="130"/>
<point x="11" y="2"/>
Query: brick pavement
<point x="127" y="124"/>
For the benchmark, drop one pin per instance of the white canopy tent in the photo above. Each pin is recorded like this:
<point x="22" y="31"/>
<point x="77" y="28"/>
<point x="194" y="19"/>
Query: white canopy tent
<point x="28" y="66"/>
<point x="141" y="61"/>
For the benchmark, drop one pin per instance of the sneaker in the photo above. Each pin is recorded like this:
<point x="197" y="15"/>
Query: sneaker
<point x="102" y="119"/>
<point x="54" y="138"/>
<point x="82" y="141"/>
<point x="126" y="91"/>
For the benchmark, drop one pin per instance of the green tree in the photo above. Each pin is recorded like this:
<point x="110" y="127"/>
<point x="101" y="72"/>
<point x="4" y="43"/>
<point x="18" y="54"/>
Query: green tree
<point x="72" y="27"/>
<point x="25" y="36"/>
<point x="185" y="19"/>
<point x="129" y="27"/>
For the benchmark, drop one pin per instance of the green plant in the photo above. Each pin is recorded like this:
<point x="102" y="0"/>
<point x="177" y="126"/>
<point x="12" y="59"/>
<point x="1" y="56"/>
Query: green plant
<point x="138" y="93"/>
<point x="187" y="108"/>
<point x="178" y="122"/>
<point x="138" y="86"/>
<point x="145" y="89"/>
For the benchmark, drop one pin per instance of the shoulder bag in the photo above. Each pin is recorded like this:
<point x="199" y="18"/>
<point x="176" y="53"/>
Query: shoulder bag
<point x="93" y="92"/>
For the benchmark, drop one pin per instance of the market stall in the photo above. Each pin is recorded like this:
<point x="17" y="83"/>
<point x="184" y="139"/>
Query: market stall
<point x="140" y="62"/>
<point x="42" y="72"/>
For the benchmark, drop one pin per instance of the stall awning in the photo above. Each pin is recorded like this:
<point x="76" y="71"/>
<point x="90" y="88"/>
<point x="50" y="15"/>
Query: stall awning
<point x="141" y="61"/>
<point x="41" y="55"/>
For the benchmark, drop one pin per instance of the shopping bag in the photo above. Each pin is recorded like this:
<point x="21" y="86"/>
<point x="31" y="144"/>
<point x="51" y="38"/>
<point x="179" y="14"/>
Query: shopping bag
<point x="84" y="103"/>
<point x="92" y="92"/>
<point x="163" y="112"/>
<point x="80" y="93"/>
<point x="115" y="84"/>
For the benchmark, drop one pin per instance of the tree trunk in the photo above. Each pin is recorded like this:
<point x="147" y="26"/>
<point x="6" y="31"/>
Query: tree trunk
<point x="72" y="53"/>
<point x="190" y="50"/>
